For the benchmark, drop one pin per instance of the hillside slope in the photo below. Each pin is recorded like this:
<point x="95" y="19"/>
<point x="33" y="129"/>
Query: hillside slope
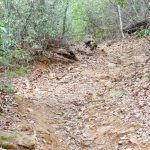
<point x="101" y="102"/>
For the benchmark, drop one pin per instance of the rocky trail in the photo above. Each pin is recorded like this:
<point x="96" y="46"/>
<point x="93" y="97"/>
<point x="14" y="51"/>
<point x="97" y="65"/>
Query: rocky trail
<point x="101" y="102"/>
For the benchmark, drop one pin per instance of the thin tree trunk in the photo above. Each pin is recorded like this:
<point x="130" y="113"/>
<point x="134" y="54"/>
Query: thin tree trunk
<point x="134" y="8"/>
<point x="6" y="38"/>
<point x="147" y="4"/>
<point x="65" y="19"/>
<point x="120" y="21"/>
<point x="23" y="32"/>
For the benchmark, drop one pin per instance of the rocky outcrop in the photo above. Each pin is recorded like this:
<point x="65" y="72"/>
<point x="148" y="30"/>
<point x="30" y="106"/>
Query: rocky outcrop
<point x="16" y="140"/>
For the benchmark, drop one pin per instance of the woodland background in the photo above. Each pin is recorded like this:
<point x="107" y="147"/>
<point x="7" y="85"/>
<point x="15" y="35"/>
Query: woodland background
<point x="26" y="25"/>
<point x="24" y="21"/>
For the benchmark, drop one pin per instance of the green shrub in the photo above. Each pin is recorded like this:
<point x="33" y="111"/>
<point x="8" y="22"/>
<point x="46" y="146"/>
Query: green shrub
<point x="142" y="33"/>
<point x="5" y="62"/>
<point x="6" y="87"/>
<point x="18" y="72"/>
<point x="17" y="58"/>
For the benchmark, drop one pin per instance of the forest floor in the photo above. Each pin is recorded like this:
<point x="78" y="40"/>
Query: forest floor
<point x="101" y="102"/>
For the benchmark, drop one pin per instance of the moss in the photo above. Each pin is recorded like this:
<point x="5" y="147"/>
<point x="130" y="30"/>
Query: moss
<point x="5" y="141"/>
<point x="3" y="138"/>
<point x="7" y="145"/>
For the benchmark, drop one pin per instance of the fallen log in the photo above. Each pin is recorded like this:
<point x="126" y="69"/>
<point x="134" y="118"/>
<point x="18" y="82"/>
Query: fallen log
<point x="55" y="47"/>
<point x="67" y="54"/>
<point x="62" y="54"/>
<point x="138" y="26"/>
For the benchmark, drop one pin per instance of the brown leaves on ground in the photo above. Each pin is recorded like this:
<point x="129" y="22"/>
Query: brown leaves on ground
<point x="101" y="102"/>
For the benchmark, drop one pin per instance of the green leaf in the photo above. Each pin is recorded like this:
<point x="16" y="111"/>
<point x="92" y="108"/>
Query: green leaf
<point x="120" y="2"/>
<point x="1" y="23"/>
<point x="3" y="29"/>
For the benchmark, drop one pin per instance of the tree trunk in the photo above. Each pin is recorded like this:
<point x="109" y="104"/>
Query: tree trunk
<point x="6" y="39"/>
<point x="65" y="18"/>
<point x="120" y="21"/>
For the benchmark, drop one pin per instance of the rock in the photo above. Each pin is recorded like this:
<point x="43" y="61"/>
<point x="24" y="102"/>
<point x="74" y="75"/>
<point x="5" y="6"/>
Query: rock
<point x="102" y="52"/>
<point x="13" y="140"/>
<point x="85" y="144"/>
<point x="30" y="110"/>
<point x="146" y="77"/>
<point x="120" y="142"/>
<point x="127" y="61"/>
<point x="110" y="42"/>
<point x="100" y="148"/>
<point x="27" y="141"/>
<point x="8" y="145"/>
<point x="101" y="76"/>
<point x="6" y="140"/>
<point x="102" y="130"/>
<point x="134" y="140"/>
<point x="122" y="131"/>
<point x="24" y="127"/>
<point x="139" y="59"/>
<point x="111" y="65"/>
<point x="118" y="93"/>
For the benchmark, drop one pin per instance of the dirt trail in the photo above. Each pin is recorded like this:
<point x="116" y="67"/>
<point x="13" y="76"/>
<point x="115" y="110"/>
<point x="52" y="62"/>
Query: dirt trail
<point x="101" y="102"/>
